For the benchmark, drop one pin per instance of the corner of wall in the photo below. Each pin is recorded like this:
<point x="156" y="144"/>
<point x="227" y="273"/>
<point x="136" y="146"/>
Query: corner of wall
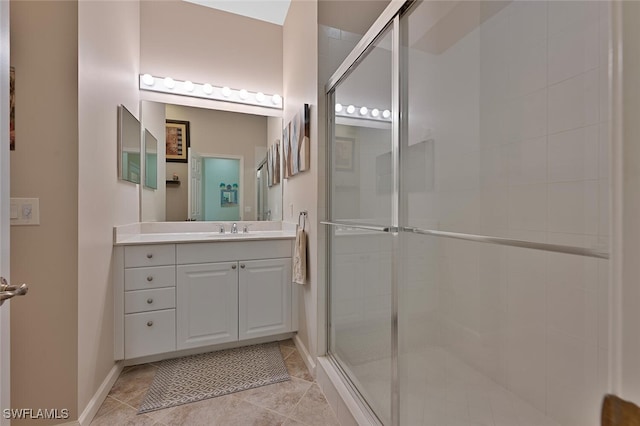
<point x="108" y="68"/>
<point x="300" y="86"/>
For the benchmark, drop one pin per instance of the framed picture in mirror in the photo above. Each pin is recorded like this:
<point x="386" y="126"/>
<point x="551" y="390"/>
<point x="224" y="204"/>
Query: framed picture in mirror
<point x="177" y="140"/>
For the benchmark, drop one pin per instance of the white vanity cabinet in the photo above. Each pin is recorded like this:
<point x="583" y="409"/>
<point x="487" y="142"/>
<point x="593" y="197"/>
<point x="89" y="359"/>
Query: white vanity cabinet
<point x="174" y="297"/>
<point x="207" y="304"/>
<point x="149" y="300"/>
<point x="264" y="293"/>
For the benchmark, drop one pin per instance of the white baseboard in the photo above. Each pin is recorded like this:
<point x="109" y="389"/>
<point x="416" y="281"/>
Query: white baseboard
<point x="98" y="398"/>
<point x="306" y="356"/>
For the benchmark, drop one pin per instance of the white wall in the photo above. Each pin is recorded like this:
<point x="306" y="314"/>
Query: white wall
<point x="108" y="59"/>
<point x="44" y="323"/>
<point x="208" y="45"/>
<point x="300" y="76"/>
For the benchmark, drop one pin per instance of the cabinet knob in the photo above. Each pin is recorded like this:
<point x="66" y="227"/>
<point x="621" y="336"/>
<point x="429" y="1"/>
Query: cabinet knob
<point x="149" y="300"/>
<point x="233" y="266"/>
<point x="149" y="278"/>
<point x="149" y="323"/>
<point x="149" y="255"/>
<point x="242" y="266"/>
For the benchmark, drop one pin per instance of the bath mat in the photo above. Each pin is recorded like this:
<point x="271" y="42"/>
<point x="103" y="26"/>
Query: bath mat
<point x="197" y="377"/>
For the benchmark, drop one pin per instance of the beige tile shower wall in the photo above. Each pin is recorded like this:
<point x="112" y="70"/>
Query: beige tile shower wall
<point x="518" y="112"/>
<point x="108" y="57"/>
<point x="192" y="42"/>
<point x="44" y="324"/>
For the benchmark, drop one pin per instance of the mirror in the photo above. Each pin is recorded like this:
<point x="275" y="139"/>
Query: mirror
<point x="128" y="146"/>
<point x="242" y="140"/>
<point x="150" y="160"/>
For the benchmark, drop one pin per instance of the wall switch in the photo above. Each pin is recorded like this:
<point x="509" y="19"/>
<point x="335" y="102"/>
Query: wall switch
<point x="25" y="211"/>
<point x="247" y="209"/>
<point x="291" y="210"/>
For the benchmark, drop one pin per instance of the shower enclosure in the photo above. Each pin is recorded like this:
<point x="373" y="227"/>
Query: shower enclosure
<point x="468" y="224"/>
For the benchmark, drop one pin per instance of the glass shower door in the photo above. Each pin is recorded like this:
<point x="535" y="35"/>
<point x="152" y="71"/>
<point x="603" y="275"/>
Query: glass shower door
<point x="502" y="303"/>
<point x="360" y="227"/>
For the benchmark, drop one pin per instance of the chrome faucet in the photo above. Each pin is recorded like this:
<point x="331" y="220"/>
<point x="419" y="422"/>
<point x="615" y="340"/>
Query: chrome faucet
<point x="234" y="228"/>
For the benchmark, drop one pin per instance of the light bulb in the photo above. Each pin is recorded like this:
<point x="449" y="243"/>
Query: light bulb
<point x="244" y="94"/>
<point x="148" y="79"/>
<point x="386" y="113"/>
<point x="338" y="107"/>
<point x="364" y="111"/>
<point x="375" y="112"/>
<point x="276" y="99"/>
<point x="188" y="86"/>
<point x="226" y="92"/>
<point x="169" y="83"/>
<point x="207" y="88"/>
<point x="260" y="97"/>
<point x="351" y="109"/>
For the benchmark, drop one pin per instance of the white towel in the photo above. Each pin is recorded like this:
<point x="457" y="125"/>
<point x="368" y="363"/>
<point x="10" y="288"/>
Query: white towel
<point x="300" y="257"/>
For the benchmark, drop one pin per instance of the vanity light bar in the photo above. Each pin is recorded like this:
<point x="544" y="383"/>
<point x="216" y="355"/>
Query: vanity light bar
<point x="362" y="112"/>
<point x="208" y="91"/>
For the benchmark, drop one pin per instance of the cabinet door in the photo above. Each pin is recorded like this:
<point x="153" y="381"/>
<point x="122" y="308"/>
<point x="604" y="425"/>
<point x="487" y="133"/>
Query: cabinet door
<point x="265" y="298"/>
<point x="207" y="304"/>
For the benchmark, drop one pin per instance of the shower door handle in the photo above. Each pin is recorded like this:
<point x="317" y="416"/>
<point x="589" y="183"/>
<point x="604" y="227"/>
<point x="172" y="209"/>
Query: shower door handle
<point x="8" y="291"/>
<point x="364" y="227"/>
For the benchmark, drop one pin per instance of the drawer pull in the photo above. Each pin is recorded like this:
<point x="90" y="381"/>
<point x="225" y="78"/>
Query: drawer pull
<point x="242" y="266"/>
<point x="149" y="323"/>
<point x="233" y="266"/>
<point x="149" y="278"/>
<point x="149" y="255"/>
<point x="149" y="300"/>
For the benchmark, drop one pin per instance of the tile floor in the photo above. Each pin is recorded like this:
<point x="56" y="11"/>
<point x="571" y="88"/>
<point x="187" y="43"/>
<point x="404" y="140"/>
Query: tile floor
<point x="297" y="402"/>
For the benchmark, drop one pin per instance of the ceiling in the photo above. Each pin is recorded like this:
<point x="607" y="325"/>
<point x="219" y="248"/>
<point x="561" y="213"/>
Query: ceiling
<point x="274" y="11"/>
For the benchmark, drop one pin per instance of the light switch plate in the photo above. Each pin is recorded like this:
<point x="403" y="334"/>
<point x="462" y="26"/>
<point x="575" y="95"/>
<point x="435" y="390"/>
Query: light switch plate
<point x="25" y="211"/>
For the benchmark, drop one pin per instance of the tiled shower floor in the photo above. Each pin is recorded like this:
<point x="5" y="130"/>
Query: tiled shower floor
<point x="445" y="391"/>
<point x="297" y="402"/>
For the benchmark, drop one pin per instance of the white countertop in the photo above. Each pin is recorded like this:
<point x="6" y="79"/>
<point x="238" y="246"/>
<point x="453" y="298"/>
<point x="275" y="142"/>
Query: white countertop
<point x="199" y="232"/>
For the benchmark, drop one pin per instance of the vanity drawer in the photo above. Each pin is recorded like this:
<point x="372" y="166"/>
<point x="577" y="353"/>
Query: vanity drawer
<point x="149" y="255"/>
<point x="147" y="278"/>
<point x="149" y="333"/>
<point x="233" y="250"/>
<point x="149" y="300"/>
